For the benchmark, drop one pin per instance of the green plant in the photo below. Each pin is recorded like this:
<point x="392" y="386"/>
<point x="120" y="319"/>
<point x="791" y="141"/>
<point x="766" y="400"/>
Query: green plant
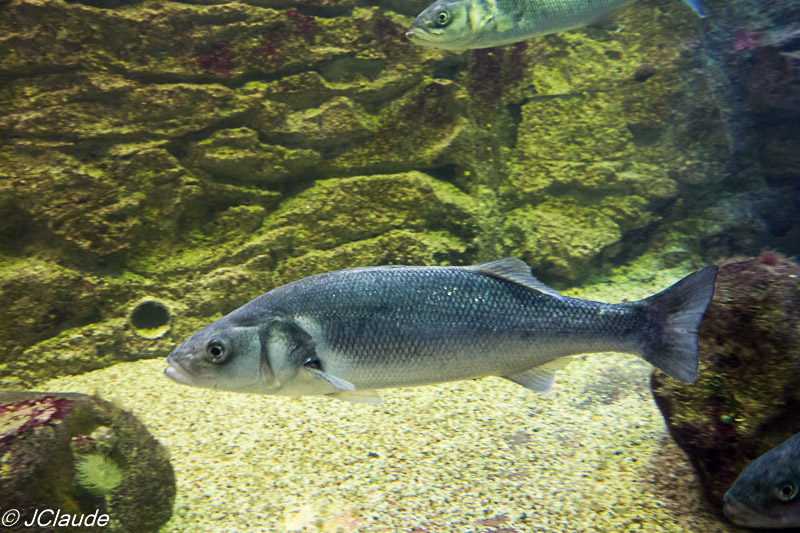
<point x="97" y="473"/>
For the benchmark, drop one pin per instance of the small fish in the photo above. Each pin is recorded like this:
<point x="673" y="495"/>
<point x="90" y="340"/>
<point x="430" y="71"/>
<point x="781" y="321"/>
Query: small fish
<point x="465" y="24"/>
<point x="765" y="495"/>
<point x="347" y="333"/>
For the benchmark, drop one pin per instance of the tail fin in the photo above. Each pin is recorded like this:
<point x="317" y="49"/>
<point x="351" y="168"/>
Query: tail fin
<point x="676" y="311"/>
<point x="696" y="7"/>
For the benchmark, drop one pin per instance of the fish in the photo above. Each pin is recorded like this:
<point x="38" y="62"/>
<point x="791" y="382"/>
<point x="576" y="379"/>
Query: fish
<point x="347" y="334"/>
<point x="467" y="24"/>
<point x="767" y="492"/>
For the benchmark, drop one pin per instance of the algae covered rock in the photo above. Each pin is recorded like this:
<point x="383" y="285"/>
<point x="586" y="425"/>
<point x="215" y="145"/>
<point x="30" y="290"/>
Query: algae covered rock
<point x="560" y="238"/>
<point x="239" y="155"/>
<point x="335" y="212"/>
<point x="747" y="398"/>
<point x="93" y="462"/>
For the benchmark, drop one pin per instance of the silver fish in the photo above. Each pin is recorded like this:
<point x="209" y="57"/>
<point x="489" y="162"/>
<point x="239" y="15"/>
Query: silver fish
<point x="767" y="492"/>
<point x="465" y="24"/>
<point x="349" y="332"/>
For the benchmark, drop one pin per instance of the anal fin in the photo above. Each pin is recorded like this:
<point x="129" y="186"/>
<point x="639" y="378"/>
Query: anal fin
<point x="362" y="396"/>
<point x="540" y="378"/>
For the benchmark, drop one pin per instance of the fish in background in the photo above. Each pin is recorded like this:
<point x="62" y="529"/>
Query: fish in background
<point x="765" y="495"/>
<point x="347" y="333"/>
<point x="465" y="24"/>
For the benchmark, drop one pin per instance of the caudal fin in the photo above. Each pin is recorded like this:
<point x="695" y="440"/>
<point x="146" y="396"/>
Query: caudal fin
<point x="676" y="312"/>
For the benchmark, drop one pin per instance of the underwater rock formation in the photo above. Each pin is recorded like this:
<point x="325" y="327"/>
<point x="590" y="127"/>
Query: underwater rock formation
<point x="83" y="456"/>
<point x="747" y="398"/>
<point x="199" y="153"/>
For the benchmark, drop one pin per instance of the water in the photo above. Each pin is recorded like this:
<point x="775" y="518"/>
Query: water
<point x="162" y="163"/>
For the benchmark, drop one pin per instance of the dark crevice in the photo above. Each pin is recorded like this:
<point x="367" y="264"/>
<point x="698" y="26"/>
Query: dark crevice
<point x="80" y="140"/>
<point x="110" y="138"/>
<point x="443" y="173"/>
<point x="168" y="78"/>
<point x="646" y="134"/>
<point x="565" y="96"/>
<point x="310" y="10"/>
<point x="448" y="68"/>
<point x="305" y="9"/>
<point x="515" y="114"/>
<point x="17" y="228"/>
<point x="35" y="71"/>
<point x="232" y="122"/>
<point x="106" y="4"/>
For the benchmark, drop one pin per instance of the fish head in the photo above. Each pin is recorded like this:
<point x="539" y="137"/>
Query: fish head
<point x="767" y="492"/>
<point x="224" y="355"/>
<point x="449" y="24"/>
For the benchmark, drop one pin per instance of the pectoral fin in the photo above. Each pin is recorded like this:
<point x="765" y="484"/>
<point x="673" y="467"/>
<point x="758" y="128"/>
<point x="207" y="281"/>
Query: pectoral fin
<point x="608" y="23"/>
<point x="540" y="378"/>
<point x="312" y="365"/>
<point x="362" y="396"/>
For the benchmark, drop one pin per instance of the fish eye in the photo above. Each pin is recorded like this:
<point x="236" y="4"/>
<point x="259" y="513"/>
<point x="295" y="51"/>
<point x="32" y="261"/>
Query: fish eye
<point x="786" y="492"/>
<point x="443" y="18"/>
<point x="217" y="350"/>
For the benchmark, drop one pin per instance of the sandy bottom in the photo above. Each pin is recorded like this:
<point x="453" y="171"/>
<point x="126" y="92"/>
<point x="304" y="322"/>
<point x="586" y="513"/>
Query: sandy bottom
<point x="477" y="456"/>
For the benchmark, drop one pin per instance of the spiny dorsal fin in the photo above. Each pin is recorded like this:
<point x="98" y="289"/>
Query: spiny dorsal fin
<point x="540" y="378"/>
<point x="513" y="269"/>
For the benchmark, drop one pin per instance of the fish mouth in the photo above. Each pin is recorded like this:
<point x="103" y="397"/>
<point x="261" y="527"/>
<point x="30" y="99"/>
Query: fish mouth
<point x="425" y="38"/>
<point x="176" y="372"/>
<point x="743" y="515"/>
<point x="417" y="35"/>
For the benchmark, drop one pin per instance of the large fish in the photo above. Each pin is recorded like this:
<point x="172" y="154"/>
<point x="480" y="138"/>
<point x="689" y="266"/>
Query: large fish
<point x="349" y="332"/>
<point x="465" y="24"/>
<point x="767" y="492"/>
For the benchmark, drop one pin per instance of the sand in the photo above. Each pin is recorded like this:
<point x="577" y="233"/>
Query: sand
<point x="476" y="456"/>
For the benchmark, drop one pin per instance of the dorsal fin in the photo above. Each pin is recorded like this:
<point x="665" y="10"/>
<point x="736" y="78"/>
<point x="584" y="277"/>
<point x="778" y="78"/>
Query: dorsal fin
<point x="513" y="269"/>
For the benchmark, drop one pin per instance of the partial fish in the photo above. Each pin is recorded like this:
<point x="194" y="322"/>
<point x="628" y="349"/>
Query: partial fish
<point x="465" y="24"/>
<point x="767" y="492"/>
<point x="347" y="333"/>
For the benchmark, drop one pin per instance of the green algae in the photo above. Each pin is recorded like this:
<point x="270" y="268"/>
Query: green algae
<point x="215" y="151"/>
<point x="97" y="473"/>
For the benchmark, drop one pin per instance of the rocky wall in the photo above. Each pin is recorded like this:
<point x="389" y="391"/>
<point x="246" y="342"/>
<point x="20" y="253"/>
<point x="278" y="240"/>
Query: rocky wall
<point x="162" y="163"/>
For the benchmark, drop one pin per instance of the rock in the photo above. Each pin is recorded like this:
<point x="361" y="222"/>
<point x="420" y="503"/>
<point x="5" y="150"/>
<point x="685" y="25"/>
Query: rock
<point x="340" y="211"/>
<point x="418" y="130"/>
<point x="335" y="122"/>
<point x="80" y="454"/>
<point x="560" y="238"/>
<point x="747" y="398"/>
<point x="239" y="155"/>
